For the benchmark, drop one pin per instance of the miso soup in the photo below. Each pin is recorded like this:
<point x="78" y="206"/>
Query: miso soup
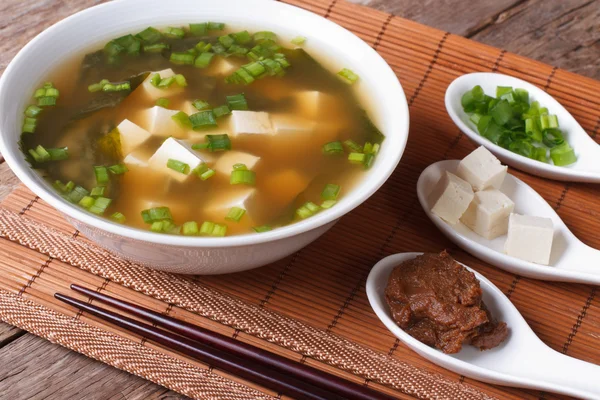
<point x="200" y="131"/>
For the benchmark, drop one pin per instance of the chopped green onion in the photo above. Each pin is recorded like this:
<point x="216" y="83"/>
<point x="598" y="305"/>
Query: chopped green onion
<point x="180" y="79"/>
<point x="156" y="214"/>
<point x="155" y="80"/>
<point x="261" y="229"/>
<point x="203" y="60"/>
<point x="368" y="160"/>
<point x="29" y="125"/>
<point x="116" y="87"/>
<point x="333" y="148"/>
<point x="46" y="101"/>
<point x="308" y="209"/>
<point x="216" y="26"/>
<point x="199" y="29"/>
<point x="352" y="146"/>
<point x="221" y="111"/>
<point x="118" y="169"/>
<point x="157" y="226"/>
<point x="129" y="43"/>
<point x="117" y="216"/>
<point x="203" y="171"/>
<point x="237" y="102"/>
<point x="200" y="104"/>
<point x="98" y="191"/>
<point x="203" y="47"/>
<point x="178" y="166"/>
<point x="218" y="142"/>
<point x="200" y="146"/>
<point x="330" y="192"/>
<point x="40" y="154"/>
<point x="32" y="111"/>
<point x="182" y="58"/>
<point x="182" y="119"/>
<point x="101" y="175"/>
<point x="240" y="166"/>
<point x="203" y="120"/>
<point x="213" y="229"/>
<point x="328" y="204"/>
<point x="166" y="82"/>
<point x="540" y="154"/>
<point x="100" y="205"/>
<point x="552" y="137"/>
<point x="87" y="201"/>
<point x="190" y="228"/>
<point x="235" y="214"/>
<point x="347" y="76"/>
<point x="226" y="41"/>
<point x="163" y="102"/>
<point x="299" y="40"/>
<point x="149" y="35"/>
<point x="174" y="33"/>
<point x="241" y="76"/>
<point x="264" y="35"/>
<point x="562" y="155"/>
<point x="244" y="177"/>
<point x="242" y="37"/>
<point x="156" y="47"/>
<point x="77" y="194"/>
<point x="356" y="158"/>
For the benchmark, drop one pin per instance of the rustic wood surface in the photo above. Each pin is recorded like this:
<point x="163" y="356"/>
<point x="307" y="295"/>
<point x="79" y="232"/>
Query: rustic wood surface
<point x="564" y="33"/>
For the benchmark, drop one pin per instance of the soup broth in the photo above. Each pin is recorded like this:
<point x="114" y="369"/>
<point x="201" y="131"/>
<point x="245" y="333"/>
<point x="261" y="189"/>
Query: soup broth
<point x="302" y="142"/>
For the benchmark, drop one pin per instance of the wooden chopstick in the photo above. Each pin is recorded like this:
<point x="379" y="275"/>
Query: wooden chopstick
<point x="237" y="366"/>
<point x="314" y="379"/>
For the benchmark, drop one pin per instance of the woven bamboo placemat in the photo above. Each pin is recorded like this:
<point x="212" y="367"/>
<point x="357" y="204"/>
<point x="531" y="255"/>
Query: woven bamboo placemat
<point x="312" y="306"/>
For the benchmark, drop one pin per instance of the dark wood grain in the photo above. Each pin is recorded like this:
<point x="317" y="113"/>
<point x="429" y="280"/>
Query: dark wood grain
<point x="564" y="33"/>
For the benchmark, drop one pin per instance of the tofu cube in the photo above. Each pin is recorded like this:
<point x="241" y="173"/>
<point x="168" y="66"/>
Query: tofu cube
<point x="228" y="159"/>
<point x="312" y="103"/>
<point x="176" y="150"/>
<point x="150" y="93"/>
<point x="132" y="136"/>
<point x="251" y="123"/>
<point x="487" y="215"/>
<point x="137" y="158"/>
<point x="157" y="120"/>
<point x="289" y="125"/>
<point x="482" y="170"/>
<point x="450" y="198"/>
<point x="283" y="186"/>
<point x="222" y="66"/>
<point x="529" y="238"/>
<point x="220" y="202"/>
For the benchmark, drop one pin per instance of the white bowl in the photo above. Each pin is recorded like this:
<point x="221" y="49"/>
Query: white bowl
<point x="93" y="27"/>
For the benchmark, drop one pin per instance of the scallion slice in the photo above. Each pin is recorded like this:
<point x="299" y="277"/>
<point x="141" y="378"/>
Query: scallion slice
<point x="562" y="155"/>
<point x="203" y="171"/>
<point x="163" y="102"/>
<point x="100" y="205"/>
<point x="156" y="47"/>
<point x="328" y="204"/>
<point x="242" y="37"/>
<point x="216" y="26"/>
<point x="182" y="119"/>
<point x="118" y="169"/>
<point x="347" y="76"/>
<point x="150" y="35"/>
<point x="190" y="228"/>
<point x="242" y="177"/>
<point x="262" y="228"/>
<point x="199" y="29"/>
<point x="32" y="111"/>
<point x="200" y="104"/>
<point x="29" y="125"/>
<point x="237" y="102"/>
<point x="235" y="214"/>
<point x="264" y="35"/>
<point x="203" y="60"/>
<point x="156" y="214"/>
<point x="174" y="33"/>
<point x="98" y="191"/>
<point x="46" y="101"/>
<point x="40" y="154"/>
<point x="308" y="209"/>
<point x="178" y="166"/>
<point x="356" y="158"/>
<point x="299" y="40"/>
<point x="182" y="58"/>
<point x="333" y="148"/>
<point x="209" y="228"/>
<point x="330" y="192"/>
<point x="101" y="175"/>
<point x="203" y="120"/>
<point x="86" y="202"/>
<point x="221" y="111"/>
<point x="118" y="217"/>
<point x="218" y="142"/>
<point x="352" y="146"/>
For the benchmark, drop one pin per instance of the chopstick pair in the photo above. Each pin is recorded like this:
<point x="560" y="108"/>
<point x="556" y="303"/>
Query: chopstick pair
<point x="243" y="360"/>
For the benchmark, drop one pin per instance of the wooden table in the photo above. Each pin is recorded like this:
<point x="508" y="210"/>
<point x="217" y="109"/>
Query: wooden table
<point x="564" y="33"/>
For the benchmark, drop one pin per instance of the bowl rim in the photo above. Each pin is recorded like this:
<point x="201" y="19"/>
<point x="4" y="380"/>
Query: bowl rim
<point x="357" y="196"/>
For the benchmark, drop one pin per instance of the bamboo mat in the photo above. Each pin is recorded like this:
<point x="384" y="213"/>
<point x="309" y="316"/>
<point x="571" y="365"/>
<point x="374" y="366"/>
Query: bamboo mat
<point x="312" y="306"/>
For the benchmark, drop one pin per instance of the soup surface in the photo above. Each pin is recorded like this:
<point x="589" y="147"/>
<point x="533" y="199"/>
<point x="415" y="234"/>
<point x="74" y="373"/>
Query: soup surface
<point x="200" y="131"/>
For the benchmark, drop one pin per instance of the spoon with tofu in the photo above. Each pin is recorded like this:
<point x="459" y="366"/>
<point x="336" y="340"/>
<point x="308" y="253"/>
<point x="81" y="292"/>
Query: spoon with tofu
<point x="503" y="221"/>
<point x="522" y="124"/>
<point x="423" y="298"/>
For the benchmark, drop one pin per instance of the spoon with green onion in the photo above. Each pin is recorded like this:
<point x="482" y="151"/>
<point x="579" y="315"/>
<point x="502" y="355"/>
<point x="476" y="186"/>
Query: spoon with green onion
<point x="523" y="126"/>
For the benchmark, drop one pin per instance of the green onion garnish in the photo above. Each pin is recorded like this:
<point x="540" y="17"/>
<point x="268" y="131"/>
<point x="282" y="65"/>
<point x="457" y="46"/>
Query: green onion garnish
<point x="216" y="26"/>
<point x="347" y="76"/>
<point x="101" y="175"/>
<point x="40" y="154"/>
<point x="149" y="35"/>
<point x="32" y="111"/>
<point x="333" y="148"/>
<point x="242" y="37"/>
<point x="352" y="146"/>
<point x="237" y="102"/>
<point x="299" y="40"/>
<point x="200" y="104"/>
<point x="157" y="214"/>
<point x="118" y="169"/>
<point x="156" y="47"/>
<point x="182" y="58"/>
<point x="235" y="214"/>
<point x="46" y="101"/>
<point x="562" y="155"/>
<point x="178" y="166"/>
<point x="163" y="102"/>
<point x="330" y="192"/>
<point x="182" y="119"/>
<point x="226" y="41"/>
<point x="264" y="35"/>
<point x="356" y="158"/>
<point x="328" y="204"/>
<point x="98" y="191"/>
<point x="87" y="202"/>
<point x="213" y="229"/>
<point x="100" y="205"/>
<point x="77" y="194"/>
<point x="29" y="125"/>
<point x="243" y="177"/>
<point x="308" y="209"/>
<point x="118" y="217"/>
<point x="203" y="120"/>
<point x="190" y="228"/>
<point x="203" y="60"/>
<point x="166" y="82"/>
<point x="200" y="29"/>
<point x="174" y="33"/>
<point x="218" y="142"/>
<point x="221" y="111"/>
<point x="203" y="171"/>
<point x="263" y="228"/>
<point x="510" y="121"/>
<point x="58" y="154"/>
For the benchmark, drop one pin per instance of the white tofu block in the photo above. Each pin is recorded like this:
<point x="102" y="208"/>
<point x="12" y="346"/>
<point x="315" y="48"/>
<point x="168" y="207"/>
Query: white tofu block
<point x="132" y="136"/>
<point x="152" y="93"/>
<point x="487" y="215"/>
<point x="158" y="121"/>
<point x="176" y="150"/>
<point x="228" y="159"/>
<point x="137" y="158"/>
<point x="222" y="66"/>
<point x="284" y="124"/>
<point x="312" y="103"/>
<point x="529" y="238"/>
<point x="251" y="123"/>
<point x="450" y="198"/>
<point x="482" y="170"/>
<point x="220" y="201"/>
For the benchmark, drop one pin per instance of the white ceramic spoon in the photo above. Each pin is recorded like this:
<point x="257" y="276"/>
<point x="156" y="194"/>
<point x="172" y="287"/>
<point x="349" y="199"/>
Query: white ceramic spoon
<point x="570" y="260"/>
<point x="587" y="167"/>
<point x="523" y="360"/>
